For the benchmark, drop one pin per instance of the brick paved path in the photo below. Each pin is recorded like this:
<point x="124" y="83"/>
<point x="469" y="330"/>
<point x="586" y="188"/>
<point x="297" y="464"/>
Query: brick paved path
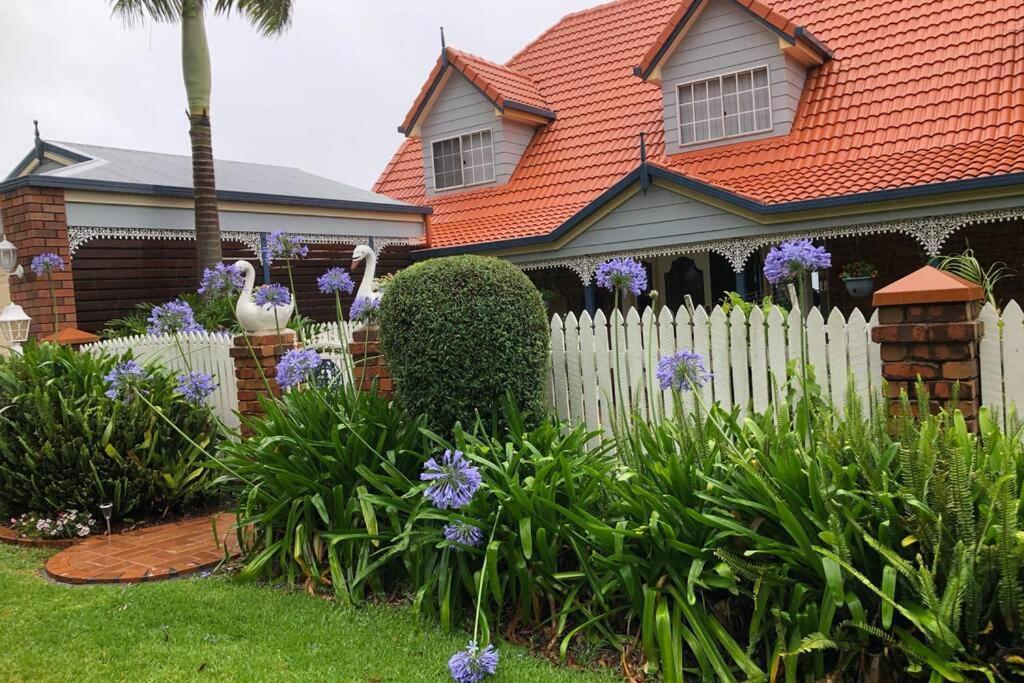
<point x="149" y="554"/>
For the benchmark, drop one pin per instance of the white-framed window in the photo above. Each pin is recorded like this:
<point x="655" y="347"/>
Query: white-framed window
<point x="463" y="160"/>
<point x="725" y="106"/>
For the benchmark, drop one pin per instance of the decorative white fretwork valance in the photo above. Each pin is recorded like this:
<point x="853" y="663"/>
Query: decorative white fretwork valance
<point x="79" y="235"/>
<point x="932" y="232"/>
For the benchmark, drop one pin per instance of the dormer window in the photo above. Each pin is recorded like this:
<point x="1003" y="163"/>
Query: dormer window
<point x="463" y="160"/>
<point x="724" y="106"/>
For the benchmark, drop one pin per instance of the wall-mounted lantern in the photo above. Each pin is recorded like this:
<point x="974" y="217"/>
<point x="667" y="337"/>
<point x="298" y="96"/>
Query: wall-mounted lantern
<point x="14" y="324"/>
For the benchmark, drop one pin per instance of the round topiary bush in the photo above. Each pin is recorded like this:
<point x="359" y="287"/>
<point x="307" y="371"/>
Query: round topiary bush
<point x="459" y="334"/>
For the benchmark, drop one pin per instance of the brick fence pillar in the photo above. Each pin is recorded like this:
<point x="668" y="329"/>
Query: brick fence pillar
<point x="35" y="221"/>
<point x="368" y="362"/>
<point x="929" y="329"/>
<point x="254" y="364"/>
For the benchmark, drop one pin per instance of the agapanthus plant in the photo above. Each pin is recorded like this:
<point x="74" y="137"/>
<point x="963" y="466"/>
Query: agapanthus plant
<point x="622" y="275"/>
<point x="296" y="367"/>
<point x="463" y="533"/>
<point x="173" y="317"/>
<point x="196" y="386"/>
<point x="125" y="378"/>
<point x="682" y="371"/>
<point x="473" y="664"/>
<point x="284" y="246"/>
<point x="364" y="310"/>
<point x="791" y="259"/>
<point x="453" y="481"/>
<point x="335" y="281"/>
<point x="272" y="295"/>
<point x="222" y="280"/>
<point x="288" y="247"/>
<point x="45" y="264"/>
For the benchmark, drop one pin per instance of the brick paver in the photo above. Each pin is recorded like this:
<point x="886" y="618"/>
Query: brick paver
<point x="150" y="554"/>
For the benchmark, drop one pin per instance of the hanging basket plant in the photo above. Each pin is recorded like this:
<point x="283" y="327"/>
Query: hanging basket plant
<point x="859" y="278"/>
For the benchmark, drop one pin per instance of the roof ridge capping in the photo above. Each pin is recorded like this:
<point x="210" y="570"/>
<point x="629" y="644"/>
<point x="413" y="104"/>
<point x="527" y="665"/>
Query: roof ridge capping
<point x="814" y="50"/>
<point x="504" y="86"/>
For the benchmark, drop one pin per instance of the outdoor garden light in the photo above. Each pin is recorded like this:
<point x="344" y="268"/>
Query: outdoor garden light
<point x="107" y="509"/>
<point x="9" y="259"/>
<point x="14" y="324"/>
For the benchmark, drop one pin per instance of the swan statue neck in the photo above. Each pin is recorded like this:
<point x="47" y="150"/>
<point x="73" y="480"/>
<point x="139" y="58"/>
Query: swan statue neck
<point x="250" y="278"/>
<point x="366" y="284"/>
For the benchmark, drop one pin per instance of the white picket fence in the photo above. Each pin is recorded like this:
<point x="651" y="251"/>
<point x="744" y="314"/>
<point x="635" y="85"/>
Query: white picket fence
<point x="210" y="353"/>
<point x="205" y="351"/>
<point x="747" y="355"/>
<point x="1001" y="352"/>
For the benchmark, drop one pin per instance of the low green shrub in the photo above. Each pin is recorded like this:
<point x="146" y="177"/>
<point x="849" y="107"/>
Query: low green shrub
<point x="459" y="334"/>
<point x="213" y="314"/>
<point x="65" y="445"/>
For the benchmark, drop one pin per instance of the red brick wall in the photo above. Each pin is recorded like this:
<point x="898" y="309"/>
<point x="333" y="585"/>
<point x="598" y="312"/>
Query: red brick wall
<point x="36" y="222"/>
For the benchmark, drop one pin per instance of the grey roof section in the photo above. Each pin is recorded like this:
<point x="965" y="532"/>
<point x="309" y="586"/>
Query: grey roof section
<point x="113" y="165"/>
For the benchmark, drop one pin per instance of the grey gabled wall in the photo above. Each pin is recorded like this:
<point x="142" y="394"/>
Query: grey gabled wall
<point x="663" y="218"/>
<point x="724" y="39"/>
<point x="461" y="108"/>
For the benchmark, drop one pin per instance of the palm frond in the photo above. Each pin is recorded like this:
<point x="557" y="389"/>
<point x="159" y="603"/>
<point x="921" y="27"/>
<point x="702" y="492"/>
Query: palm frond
<point x="269" y="17"/>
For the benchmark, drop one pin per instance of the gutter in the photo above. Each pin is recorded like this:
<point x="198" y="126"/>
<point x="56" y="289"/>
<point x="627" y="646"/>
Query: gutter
<point x="72" y="183"/>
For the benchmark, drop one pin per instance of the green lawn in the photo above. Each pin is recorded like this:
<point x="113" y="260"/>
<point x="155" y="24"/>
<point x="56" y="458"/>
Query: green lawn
<point x="214" y="629"/>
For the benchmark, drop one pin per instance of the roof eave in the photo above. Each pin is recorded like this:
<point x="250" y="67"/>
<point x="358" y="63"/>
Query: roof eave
<point x="529" y="109"/>
<point x="737" y="200"/>
<point x="71" y="183"/>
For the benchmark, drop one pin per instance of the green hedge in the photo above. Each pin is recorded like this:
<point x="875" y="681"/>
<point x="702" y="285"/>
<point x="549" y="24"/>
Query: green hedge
<point x="461" y="332"/>
<point x="64" y="444"/>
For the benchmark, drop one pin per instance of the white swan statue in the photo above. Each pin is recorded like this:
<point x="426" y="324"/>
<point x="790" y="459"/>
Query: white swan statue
<point x="366" y="286"/>
<point x="253" y="318"/>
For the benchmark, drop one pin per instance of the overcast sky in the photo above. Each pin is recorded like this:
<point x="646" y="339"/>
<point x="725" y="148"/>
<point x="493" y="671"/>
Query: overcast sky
<point x="326" y="97"/>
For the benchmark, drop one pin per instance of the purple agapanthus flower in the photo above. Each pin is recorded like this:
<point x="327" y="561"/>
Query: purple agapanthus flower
<point x="123" y="378"/>
<point x="453" y="481"/>
<point x="463" y="533"/>
<point x="364" y="309"/>
<point x="44" y="264"/>
<point x="623" y="274"/>
<point x="221" y="280"/>
<point x="682" y="371"/>
<point x="335" y="281"/>
<point x="196" y="386"/>
<point x="172" y="318"/>
<point x="296" y="366"/>
<point x="790" y="259"/>
<point x="473" y="664"/>
<point x="273" y="295"/>
<point x="283" y="245"/>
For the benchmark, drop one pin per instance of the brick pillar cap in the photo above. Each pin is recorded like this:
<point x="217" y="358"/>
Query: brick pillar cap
<point x="928" y="285"/>
<point x="71" y="336"/>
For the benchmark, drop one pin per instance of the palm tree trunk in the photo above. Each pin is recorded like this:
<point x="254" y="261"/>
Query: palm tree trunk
<point x="208" y="247"/>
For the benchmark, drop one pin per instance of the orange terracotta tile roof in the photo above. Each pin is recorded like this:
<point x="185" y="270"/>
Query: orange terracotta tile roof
<point x="502" y="85"/>
<point x="918" y="92"/>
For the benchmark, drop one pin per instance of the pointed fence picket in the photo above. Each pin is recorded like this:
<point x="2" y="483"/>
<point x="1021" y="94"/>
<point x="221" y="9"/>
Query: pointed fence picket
<point x="1001" y="355"/>
<point x="749" y="357"/>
